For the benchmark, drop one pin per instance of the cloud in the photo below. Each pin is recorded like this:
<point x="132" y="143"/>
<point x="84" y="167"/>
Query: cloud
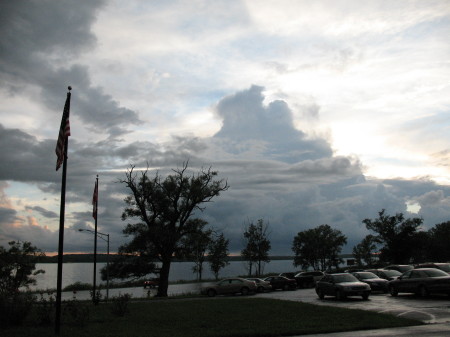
<point x="247" y="120"/>
<point x="43" y="211"/>
<point x="40" y="52"/>
<point x="276" y="172"/>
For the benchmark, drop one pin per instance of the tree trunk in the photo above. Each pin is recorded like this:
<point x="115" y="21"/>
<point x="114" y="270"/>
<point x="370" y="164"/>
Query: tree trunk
<point x="164" y="278"/>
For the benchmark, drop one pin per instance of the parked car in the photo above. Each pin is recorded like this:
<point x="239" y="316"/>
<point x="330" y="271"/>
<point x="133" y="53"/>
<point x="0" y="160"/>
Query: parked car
<point x="387" y="274"/>
<point x="399" y="267"/>
<point x="261" y="285"/>
<point x="308" y="279"/>
<point x="376" y="283"/>
<point x="423" y="281"/>
<point x="342" y="285"/>
<point x="288" y="275"/>
<point x="229" y="286"/>
<point x="442" y="266"/>
<point x="281" y="282"/>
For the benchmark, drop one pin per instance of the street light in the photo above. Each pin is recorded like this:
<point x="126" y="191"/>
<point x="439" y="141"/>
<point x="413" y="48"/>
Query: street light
<point x="101" y="236"/>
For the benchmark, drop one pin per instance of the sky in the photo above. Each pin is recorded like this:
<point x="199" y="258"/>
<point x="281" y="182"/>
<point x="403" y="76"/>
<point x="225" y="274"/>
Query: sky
<point x="314" y="112"/>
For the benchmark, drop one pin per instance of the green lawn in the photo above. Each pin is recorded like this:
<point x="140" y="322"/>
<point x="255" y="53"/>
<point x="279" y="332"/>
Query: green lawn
<point x="228" y="316"/>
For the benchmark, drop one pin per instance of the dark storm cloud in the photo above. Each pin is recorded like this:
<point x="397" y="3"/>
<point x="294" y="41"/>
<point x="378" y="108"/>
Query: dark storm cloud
<point x="278" y="174"/>
<point x="7" y="216"/>
<point x="24" y="158"/>
<point x="40" y="41"/>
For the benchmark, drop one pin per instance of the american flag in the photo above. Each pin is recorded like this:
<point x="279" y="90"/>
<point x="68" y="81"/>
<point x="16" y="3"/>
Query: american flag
<point x="64" y="132"/>
<point x="95" y="201"/>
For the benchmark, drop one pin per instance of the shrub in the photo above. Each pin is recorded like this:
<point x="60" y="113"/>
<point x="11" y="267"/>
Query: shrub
<point x="15" y="307"/>
<point x="96" y="297"/>
<point x="75" y="313"/>
<point x="119" y="305"/>
<point x="78" y="286"/>
<point x="45" y="309"/>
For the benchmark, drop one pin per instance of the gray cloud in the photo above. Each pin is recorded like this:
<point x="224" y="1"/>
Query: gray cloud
<point x="285" y="178"/>
<point x="43" y="211"/>
<point x="246" y="119"/>
<point x="34" y="52"/>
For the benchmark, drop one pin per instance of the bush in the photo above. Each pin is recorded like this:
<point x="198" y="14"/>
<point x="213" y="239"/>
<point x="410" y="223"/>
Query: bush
<point x="78" y="286"/>
<point x="15" y="307"/>
<point x="119" y="305"/>
<point x="75" y="313"/>
<point x="45" y="309"/>
<point x="96" y="297"/>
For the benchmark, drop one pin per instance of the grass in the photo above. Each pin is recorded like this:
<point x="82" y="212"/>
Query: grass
<point x="219" y="317"/>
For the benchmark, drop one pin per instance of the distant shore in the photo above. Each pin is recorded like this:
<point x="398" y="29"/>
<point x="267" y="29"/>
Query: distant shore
<point x="89" y="258"/>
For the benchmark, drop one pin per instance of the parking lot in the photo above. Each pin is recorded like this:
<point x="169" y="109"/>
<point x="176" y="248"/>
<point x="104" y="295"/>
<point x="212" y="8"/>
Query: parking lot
<point x="435" y="309"/>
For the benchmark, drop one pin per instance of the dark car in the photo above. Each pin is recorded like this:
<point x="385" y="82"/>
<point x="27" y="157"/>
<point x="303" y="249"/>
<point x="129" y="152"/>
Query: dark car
<point x="308" y="279"/>
<point x="342" y="285"/>
<point x="422" y="282"/>
<point x="288" y="274"/>
<point x="229" y="286"/>
<point x="399" y="267"/>
<point x="376" y="283"/>
<point x="281" y="282"/>
<point x="387" y="274"/>
<point x="261" y="285"/>
<point x="442" y="266"/>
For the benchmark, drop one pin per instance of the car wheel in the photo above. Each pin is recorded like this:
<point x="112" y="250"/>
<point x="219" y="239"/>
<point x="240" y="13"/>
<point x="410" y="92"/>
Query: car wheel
<point x="260" y="289"/>
<point x="286" y="287"/>
<point x="211" y="292"/>
<point x="393" y="291"/>
<point x="245" y="291"/>
<point x="320" y="294"/>
<point x="340" y="295"/>
<point x="423" y="292"/>
<point x="365" y="296"/>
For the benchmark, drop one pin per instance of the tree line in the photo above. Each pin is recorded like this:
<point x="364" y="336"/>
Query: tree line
<point x="164" y="225"/>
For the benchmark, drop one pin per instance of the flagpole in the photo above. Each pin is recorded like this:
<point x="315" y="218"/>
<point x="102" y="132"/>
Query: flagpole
<point x="94" y="297"/>
<point x="61" y="232"/>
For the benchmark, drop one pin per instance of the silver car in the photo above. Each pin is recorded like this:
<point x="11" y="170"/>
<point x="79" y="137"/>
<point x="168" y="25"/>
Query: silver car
<point x="261" y="285"/>
<point x="230" y="286"/>
<point x="341" y="286"/>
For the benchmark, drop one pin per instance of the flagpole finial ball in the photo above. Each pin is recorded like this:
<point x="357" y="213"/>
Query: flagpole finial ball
<point x="69" y="87"/>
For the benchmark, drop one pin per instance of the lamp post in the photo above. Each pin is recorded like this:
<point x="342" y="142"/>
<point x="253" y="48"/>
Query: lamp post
<point x="101" y="236"/>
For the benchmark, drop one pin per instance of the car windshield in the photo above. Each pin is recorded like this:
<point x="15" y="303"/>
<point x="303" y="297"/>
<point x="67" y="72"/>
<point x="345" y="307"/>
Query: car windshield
<point x="445" y="267"/>
<point x="435" y="273"/>
<point x="344" y="278"/>
<point x="367" y="275"/>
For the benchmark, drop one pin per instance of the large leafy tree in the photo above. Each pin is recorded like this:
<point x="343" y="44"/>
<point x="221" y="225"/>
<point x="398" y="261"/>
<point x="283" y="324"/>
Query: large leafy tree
<point x="218" y="254"/>
<point x="257" y="245"/>
<point x="163" y="208"/>
<point x="396" y="234"/>
<point x="195" y="244"/>
<point x="439" y="247"/>
<point x="364" y="251"/>
<point x="18" y="266"/>
<point x="318" y="247"/>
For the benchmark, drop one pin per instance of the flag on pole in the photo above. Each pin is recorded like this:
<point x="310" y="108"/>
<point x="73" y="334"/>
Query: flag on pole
<point x="95" y="200"/>
<point x="64" y="132"/>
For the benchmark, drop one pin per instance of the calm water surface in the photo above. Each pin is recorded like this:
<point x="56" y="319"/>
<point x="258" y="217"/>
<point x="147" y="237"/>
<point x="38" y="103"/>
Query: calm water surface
<point x="83" y="272"/>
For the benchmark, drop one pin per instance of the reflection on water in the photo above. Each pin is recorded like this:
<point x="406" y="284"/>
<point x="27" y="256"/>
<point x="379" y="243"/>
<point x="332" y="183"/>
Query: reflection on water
<point x="83" y="272"/>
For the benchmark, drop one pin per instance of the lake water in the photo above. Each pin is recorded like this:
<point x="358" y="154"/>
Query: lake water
<point x="83" y="272"/>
